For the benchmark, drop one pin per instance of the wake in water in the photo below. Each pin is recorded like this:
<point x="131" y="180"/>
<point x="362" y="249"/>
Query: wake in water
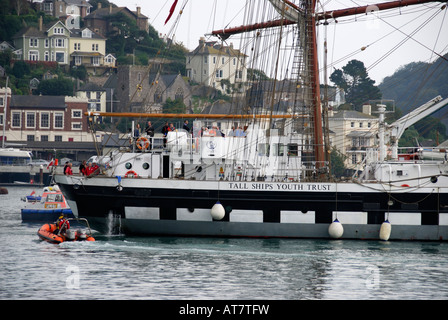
<point x="113" y="224"/>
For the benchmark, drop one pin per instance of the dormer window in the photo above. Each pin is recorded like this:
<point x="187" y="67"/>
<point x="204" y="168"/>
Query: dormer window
<point x="86" y="33"/>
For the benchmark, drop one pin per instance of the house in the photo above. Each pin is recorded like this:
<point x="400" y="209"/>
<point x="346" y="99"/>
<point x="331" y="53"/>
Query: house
<point x="88" y="48"/>
<point x="47" y="118"/>
<point x="218" y="66"/>
<point x="99" y="20"/>
<point x="139" y="90"/>
<point x="44" y="43"/>
<point x="4" y="45"/>
<point x="70" y="11"/>
<point x="354" y="132"/>
<point x="95" y="95"/>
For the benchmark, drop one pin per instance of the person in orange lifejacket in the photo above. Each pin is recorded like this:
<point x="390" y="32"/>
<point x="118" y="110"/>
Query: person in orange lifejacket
<point x="62" y="224"/>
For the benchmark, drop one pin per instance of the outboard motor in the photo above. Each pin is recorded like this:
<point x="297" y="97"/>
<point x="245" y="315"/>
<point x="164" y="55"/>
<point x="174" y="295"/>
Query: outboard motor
<point x="70" y="234"/>
<point x="82" y="235"/>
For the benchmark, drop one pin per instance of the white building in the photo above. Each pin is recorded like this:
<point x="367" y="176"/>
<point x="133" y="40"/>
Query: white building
<point x="217" y="66"/>
<point x="354" y="132"/>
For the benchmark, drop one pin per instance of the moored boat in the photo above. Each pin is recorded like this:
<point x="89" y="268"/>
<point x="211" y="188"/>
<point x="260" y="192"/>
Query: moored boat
<point x="52" y="204"/>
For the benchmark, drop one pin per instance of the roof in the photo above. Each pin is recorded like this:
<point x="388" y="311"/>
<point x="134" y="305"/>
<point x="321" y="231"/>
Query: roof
<point x="77" y="33"/>
<point x="90" y="86"/>
<point x="37" y="102"/>
<point x="209" y="48"/>
<point x="35" y="32"/>
<point x="351" y="114"/>
<point x="101" y="13"/>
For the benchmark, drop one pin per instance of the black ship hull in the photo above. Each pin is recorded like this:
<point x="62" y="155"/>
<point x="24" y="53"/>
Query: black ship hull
<point x="256" y="209"/>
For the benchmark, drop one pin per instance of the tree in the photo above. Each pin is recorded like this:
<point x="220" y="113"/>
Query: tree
<point x="56" y="87"/>
<point x="174" y="106"/>
<point x="355" y="82"/>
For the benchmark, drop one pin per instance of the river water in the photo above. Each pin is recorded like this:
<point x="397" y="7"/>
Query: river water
<point x="158" y="268"/>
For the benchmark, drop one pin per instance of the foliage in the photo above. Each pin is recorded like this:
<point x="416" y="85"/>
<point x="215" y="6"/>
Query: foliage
<point x="174" y="106"/>
<point x="355" y="82"/>
<point x="56" y="87"/>
<point x="256" y="75"/>
<point x="411" y="86"/>
<point x="337" y="163"/>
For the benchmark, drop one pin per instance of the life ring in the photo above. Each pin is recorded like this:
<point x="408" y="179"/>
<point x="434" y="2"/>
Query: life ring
<point x="131" y="174"/>
<point x="142" y="143"/>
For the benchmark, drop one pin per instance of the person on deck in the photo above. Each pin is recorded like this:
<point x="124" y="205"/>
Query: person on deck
<point x="68" y="169"/>
<point x="83" y="168"/>
<point x="186" y="127"/>
<point x="150" y="132"/>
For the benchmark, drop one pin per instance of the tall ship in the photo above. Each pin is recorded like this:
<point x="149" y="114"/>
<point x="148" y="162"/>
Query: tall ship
<point x="267" y="173"/>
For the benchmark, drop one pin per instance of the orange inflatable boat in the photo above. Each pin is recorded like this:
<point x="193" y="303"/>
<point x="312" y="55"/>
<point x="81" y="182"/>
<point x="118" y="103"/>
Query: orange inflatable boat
<point x="49" y="232"/>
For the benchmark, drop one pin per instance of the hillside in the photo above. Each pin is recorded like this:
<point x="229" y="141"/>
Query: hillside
<point x="416" y="83"/>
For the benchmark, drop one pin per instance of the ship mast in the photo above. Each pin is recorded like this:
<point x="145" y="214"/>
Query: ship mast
<point x="306" y="12"/>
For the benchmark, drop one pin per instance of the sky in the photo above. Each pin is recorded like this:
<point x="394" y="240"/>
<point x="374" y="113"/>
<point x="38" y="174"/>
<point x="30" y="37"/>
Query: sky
<point x="380" y="32"/>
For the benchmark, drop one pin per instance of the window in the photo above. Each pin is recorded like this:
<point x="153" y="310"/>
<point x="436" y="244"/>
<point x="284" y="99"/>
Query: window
<point x="34" y="42"/>
<point x="239" y="74"/>
<point x="16" y="120"/>
<point x="293" y="150"/>
<point x="158" y="95"/>
<point x="360" y="124"/>
<point x="60" y="43"/>
<point x="30" y="137"/>
<point x="95" y="61"/>
<point x="218" y="73"/>
<point x="30" y="120"/>
<point x="33" y="55"/>
<point x="77" y="114"/>
<point x="60" y="57"/>
<point x="78" y="61"/>
<point x="369" y="124"/>
<point x="77" y="46"/>
<point x="58" y="120"/>
<point x="58" y="138"/>
<point x="1" y="119"/>
<point x="76" y="125"/>
<point x="44" y="138"/>
<point x="94" y="47"/>
<point x="234" y="61"/>
<point x="214" y="59"/>
<point x="1" y="101"/>
<point x="205" y="59"/>
<point x="279" y="149"/>
<point x="263" y="149"/>
<point x="179" y="94"/>
<point x="47" y="43"/>
<point x="352" y="124"/>
<point x="222" y="60"/>
<point x="45" y="120"/>
<point x="354" y="158"/>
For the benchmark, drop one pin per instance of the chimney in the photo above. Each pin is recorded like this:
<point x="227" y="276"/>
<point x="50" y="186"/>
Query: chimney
<point x="98" y="5"/>
<point x="367" y="109"/>
<point x="138" y="11"/>
<point x="110" y="9"/>
<point x="40" y="23"/>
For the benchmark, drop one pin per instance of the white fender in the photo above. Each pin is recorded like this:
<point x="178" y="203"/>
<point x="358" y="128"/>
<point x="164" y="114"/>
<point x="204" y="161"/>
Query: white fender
<point x="217" y="212"/>
<point x="385" y="230"/>
<point x="336" y="230"/>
